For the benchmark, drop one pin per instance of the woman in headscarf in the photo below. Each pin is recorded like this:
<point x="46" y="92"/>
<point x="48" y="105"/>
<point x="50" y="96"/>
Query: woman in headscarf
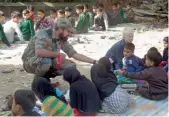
<point x="115" y="99"/>
<point x="52" y="103"/>
<point x="84" y="96"/>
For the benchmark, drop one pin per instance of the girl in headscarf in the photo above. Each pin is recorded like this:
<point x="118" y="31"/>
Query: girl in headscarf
<point x="53" y="104"/>
<point x="115" y="99"/>
<point x="84" y="96"/>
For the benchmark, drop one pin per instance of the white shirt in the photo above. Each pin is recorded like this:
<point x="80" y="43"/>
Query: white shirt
<point x="10" y="27"/>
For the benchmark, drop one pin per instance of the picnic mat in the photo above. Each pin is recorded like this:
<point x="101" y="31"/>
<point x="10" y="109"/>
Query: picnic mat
<point x="144" y="107"/>
<point x="155" y="108"/>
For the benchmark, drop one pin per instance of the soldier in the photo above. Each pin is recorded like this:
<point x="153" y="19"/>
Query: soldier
<point x="41" y="57"/>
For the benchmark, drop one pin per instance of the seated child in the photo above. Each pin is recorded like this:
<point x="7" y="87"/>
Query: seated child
<point x="129" y="16"/>
<point x="53" y="102"/>
<point x="99" y="24"/>
<point x="115" y="100"/>
<point x="68" y="14"/>
<point x="43" y="21"/>
<point x="155" y="76"/>
<point x="23" y="103"/>
<point x="2" y="34"/>
<point x="131" y="63"/>
<point x="89" y="15"/>
<point x="151" y="49"/>
<point x="94" y="9"/>
<point x="62" y="17"/>
<point x="82" y="23"/>
<point x="27" y="26"/>
<point x="84" y="97"/>
<point x="114" y="16"/>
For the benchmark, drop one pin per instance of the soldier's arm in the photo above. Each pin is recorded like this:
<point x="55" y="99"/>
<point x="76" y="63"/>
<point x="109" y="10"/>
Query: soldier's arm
<point x="69" y="50"/>
<point x="40" y="51"/>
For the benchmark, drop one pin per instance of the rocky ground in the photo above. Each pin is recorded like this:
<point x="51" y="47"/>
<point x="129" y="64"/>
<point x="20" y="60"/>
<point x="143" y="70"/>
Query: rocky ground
<point x="94" y="44"/>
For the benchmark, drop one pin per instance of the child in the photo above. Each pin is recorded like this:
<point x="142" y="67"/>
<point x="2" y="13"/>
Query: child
<point x="82" y="23"/>
<point x="151" y="49"/>
<point x="53" y="15"/>
<point x="53" y="103"/>
<point x="114" y="17"/>
<point x="131" y="63"/>
<point x="120" y="9"/>
<point x="129" y="14"/>
<point x="94" y="9"/>
<point x="165" y="52"/>
<point x="89" y="15"/>
<point x="68" y="14"/>
<point x="12" y="26"/>
<point x="23" y="103"/>
<point x="43" y="22"/>
<point x="99" y="24"/>
<point x="2" y="34"/>
<point x="61" y="13"/>
<point x="115" y="100"/>
<point x="27" y="26"/>
<point x="105" y="17"/>
<point x="31" y="12"/>
<point x="155" y="76"/>
<point x="84" y="97"/>
<point x="62" y="17"/>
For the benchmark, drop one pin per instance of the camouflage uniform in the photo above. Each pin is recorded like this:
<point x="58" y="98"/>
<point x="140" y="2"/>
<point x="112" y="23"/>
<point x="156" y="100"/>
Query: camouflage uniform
<point x="43" y="40"/>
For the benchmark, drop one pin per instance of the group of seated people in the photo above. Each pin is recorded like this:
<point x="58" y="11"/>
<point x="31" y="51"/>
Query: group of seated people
<point x="103" y="93"/>
<point x="26" y="25"/>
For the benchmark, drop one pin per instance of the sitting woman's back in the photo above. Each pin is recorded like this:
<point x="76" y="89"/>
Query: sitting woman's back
<point x="115" y="99"/>
<point x="83" y="93"/>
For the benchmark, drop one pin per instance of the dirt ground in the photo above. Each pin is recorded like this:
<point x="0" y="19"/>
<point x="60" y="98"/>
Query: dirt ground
<point x="95" y="47"/>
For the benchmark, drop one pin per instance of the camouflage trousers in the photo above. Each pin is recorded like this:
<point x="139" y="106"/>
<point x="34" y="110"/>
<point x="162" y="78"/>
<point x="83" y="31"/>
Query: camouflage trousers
<point x="40" y="66"/>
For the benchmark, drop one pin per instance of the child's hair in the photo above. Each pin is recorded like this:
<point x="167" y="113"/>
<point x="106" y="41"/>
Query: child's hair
<point x="165" y="39"/>
<point x="106" y="62"/>
<point x="15" y="14"/>
<point x="68" y="9"/>
<point x="86" y="5"/>
<point x="130" y="46"/>
<point x="53" y="11"/>
<point x="80" y="7"/>
<point x="25" y="98"/>
<point x="115" y="4"/>
<point x="31" y="8"/>
<point x="1" y="13"/>
<point x="155" y="57"/>
<point x="42" y="11"/>
<point x="25" y="11"/>
<point x="99" y="10"/>
<point x="100" y="6"/>
<point x="153" y="49"/>
<point x="61" y="11"/>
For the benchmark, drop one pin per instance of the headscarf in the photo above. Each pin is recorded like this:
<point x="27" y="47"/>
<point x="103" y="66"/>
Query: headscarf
<point x="105" y="84"/>
<point x="83" y="93"/>
<point x="71" y="74"/>
<point x="43" y="88"/>
<point x="25" y="98"/>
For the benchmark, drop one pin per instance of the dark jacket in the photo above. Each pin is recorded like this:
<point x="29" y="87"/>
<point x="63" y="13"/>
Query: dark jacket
<point x="156" y="78"/>
<point x="3" y="36"/>
<point x="99" y="21"/>
<point x="116" y="53"/>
